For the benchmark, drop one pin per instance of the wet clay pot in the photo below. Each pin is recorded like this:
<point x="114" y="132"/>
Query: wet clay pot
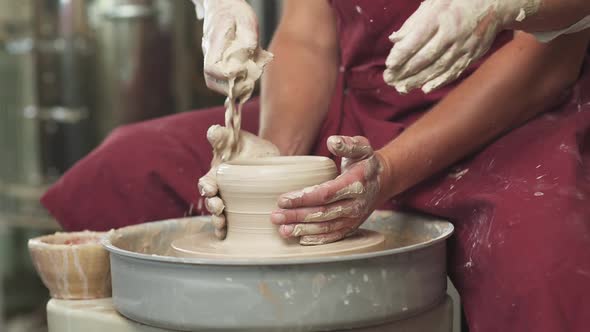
<point x="250" y="189"/>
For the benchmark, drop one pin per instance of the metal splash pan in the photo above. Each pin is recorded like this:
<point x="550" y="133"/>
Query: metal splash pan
<point x="309" y="294"/>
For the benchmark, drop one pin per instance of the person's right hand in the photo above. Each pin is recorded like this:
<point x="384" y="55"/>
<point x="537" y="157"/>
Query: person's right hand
<point x="230" y="45"/>
<point x="250" y="146"/>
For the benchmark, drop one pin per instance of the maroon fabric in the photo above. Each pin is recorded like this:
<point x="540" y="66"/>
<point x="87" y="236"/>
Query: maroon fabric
<point x="142" y="172"/>
<point x="521" y="253"/>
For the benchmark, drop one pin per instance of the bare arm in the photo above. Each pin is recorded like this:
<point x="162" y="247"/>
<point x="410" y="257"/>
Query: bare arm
<point x="502" y="94"/>
<point x="298" y="85"/>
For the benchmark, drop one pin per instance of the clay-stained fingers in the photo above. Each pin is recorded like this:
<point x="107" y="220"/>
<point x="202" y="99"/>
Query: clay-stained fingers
<point x="220" y="43"/>
<point x="214" y="205"/>
<point x="349" y="184"/>
<point x="221" y="233"/>
<point x="247" y="30"/>
<point x="214" y="83"/>
<point x="425" y="57"/>
<point x="219" y="224"/>
<point x="450" y="75"/>
<point x="218" y="33"/>
<point x="305" y="229"/>
<point x="217" y="136"/>
<point x="346" y="208"/>
<point x="312" y="240"/>
<point x="436" y="69"/>
<point x="410" y="24"/>
<point x="218" y="221"/>
<point x="410" y="44"/>
<point x="208" y="185"/>
<point x="357" y="147"/>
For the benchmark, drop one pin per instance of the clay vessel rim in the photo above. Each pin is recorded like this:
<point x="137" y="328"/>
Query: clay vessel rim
<point x="57" y="241"/>
<point x="447" y="229"/>
<point x="281" y="161"/>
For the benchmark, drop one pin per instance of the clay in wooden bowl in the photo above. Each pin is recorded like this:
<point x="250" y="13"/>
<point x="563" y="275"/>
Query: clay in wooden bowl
<point x="73" y="266"/>
<point x="250" y="189"/>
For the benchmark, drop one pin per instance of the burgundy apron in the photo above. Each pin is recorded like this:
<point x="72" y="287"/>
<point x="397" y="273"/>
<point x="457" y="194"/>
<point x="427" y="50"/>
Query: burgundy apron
<point x="520" y="256"/>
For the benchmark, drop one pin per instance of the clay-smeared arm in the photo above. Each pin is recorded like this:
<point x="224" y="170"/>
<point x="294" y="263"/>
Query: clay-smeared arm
<point x="442" y="38"/>
<point x="298" y="85"/>
<point x="502" y="94"/>
<point x="518" y="82"/>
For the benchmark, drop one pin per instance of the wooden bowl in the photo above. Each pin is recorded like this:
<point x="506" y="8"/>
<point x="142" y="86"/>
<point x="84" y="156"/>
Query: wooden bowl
<point x="73" y="266"/>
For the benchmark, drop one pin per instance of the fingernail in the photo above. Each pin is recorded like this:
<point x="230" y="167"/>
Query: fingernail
<point x="284" y="203"/>
<point x="336" y="141"/>
<point x="428" y="87"/>
<point x="213" y="133"/>
<point x="388" y="76"/>
<point x="297" y="230"/>
<point x="208" y="189"/>
<point x="402" y="89"/>
<point x="278" y="218"/>
<point x="311" y="240"/>
<point x="286" y="230"/>
<point x="204" y="189"/>
<point x="221" y="233"/>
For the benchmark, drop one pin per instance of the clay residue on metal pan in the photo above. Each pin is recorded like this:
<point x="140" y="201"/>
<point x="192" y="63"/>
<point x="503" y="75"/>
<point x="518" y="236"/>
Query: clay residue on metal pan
<point x="152" y="241"/>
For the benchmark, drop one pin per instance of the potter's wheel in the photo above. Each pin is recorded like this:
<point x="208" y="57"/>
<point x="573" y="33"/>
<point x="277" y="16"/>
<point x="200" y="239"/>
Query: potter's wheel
<point x="205" y="245"/>
<point x="153" y="286"/>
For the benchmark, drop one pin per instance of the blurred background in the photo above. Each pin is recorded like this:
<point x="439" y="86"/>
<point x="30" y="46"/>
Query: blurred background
<point x="70" y="72"/>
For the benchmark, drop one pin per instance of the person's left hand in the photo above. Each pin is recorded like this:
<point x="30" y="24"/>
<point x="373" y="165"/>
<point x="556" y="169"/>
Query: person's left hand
<point x="330" y="211"/>
<point x="443" y="37"/>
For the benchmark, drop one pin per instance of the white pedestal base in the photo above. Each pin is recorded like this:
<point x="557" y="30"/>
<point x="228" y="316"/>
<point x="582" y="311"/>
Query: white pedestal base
<point x="100" y="316"/>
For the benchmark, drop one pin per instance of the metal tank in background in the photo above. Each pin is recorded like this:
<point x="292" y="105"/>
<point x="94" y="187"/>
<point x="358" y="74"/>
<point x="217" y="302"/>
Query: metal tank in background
<point x="72" y="70"/>
<point x="148" y="60"/>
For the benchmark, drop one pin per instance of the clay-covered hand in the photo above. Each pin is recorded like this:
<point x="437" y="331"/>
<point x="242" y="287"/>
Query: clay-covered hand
<point x="230" y="45"/>
<point x="250" y="146"/>
<point x="443" y="37"/>
<point x="330" y="211"/>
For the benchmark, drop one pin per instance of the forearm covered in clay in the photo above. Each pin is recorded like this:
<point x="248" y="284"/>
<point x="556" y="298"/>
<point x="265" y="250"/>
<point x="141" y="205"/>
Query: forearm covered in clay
<point x="502" y="94"/>
<point x="298" y="85"/>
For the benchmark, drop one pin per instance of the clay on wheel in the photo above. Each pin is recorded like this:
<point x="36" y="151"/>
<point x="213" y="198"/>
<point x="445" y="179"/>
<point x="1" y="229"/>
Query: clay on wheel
<point x="206" y="245"/>
<point x="250" y="189"/>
